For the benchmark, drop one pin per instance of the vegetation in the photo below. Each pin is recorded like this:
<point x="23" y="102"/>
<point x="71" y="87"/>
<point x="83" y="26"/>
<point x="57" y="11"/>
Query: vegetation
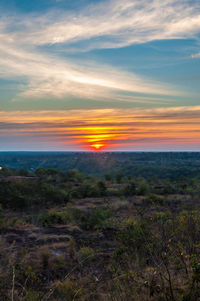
<point x="70" y="236"/>
<point x="112" y="165"/>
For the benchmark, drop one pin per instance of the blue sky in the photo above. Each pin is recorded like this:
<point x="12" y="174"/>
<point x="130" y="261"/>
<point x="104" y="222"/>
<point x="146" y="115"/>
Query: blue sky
<point x="66" y="56"/>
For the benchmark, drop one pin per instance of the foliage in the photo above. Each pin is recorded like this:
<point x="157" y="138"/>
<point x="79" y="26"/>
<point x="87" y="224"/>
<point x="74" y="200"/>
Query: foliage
<point x="95" y="219"/>
<point x="54" y="217"/>
<point x="153" y="199"/>
<point x="129" y="189"/>
<point x="143" y="188"/>
<point x="86" y="253"/>
<point x="93" y="238"/>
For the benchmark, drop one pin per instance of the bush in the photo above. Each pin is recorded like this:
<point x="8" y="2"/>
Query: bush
<point x="132" y="240"/>
<point x="96" y="219"/>
<point x="67" y="290"/>
<point x="86" y="253"/>
<point x="53" y="218"/>
<point x="143" y="188"/>
<point x="129" y="189"/>
<point x="153" y="199"/>
<point x="86" y="190"/>
<point x="54" y="194"/>
<point x="102" y="188"/>
<point x="161" y="216"/>
<point x="32" y="296"/>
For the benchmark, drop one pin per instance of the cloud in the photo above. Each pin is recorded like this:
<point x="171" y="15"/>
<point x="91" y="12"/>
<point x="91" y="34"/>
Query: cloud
<point x="51" y="76"/>
<point x="107" y="24"/>
<point x="118" y="24"/>
<point x="196" y="55"/>
<point x="176" y="127"/>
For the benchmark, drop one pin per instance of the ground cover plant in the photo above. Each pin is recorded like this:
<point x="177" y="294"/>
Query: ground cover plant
<point x="66" y="235"/>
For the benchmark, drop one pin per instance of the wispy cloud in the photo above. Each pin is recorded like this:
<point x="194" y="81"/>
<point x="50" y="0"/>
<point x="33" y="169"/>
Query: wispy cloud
<point x="118" y="24"/>
<point x="50" y="76"/>
<point x="104" y="25"/>
<point x="196" y="55"/>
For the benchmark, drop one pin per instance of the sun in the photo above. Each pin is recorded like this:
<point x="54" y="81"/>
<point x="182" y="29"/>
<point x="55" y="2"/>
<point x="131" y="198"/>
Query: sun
<point x="97" y="146"/>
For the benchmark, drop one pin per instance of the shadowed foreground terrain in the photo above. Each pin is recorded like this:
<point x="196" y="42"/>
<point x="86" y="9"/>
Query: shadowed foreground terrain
<point x="69" y="236"/>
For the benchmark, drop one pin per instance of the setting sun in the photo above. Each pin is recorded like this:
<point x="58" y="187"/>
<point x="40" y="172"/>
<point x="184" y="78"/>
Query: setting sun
<point x="97" y="146"/>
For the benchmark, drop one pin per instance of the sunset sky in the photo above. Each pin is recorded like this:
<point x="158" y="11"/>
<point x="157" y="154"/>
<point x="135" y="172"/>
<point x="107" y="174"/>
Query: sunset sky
<point x="108" y="75"/>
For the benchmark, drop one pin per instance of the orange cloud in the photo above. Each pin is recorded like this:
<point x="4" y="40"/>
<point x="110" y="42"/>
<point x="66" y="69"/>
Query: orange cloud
<point x="106" y="129"/>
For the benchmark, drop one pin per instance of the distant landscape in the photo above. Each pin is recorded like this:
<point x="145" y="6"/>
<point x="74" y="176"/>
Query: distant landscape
<point x="141" y="164"/>
<point x="99" y="226"/>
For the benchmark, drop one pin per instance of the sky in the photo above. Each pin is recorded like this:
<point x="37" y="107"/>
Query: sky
<point x="99" y="75"/>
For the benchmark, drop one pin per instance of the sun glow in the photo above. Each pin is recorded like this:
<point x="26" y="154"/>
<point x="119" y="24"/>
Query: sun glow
<point x="105" y="130"/>
<point x="97" y="146"/>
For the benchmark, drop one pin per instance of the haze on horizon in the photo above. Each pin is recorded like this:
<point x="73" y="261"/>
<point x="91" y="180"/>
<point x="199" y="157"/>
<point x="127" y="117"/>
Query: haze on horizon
<point x="95" y="74"/>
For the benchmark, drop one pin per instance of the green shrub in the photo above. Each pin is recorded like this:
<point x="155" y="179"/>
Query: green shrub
<point x="119" y="178"/>
<point x="32" y="296"/>
<point x="132" y="241"/>
<point x="129" y="189"/>
<point x="196" y="271"/>
<point x="86" y="190"/>
<point x="143" y="188"/>
<point x="53" y="194"/>
<point x="86" y="253"/>
<point x="114" y="192"/>
<point x="102" y="188"/>
<point x="96" y="219"/>
<point x="75" y="194"/>
<point x="67" y="290"/>
<point x="161" y="216"/>
<point x="53" y="217"/>
<point x="153" y="199"/>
